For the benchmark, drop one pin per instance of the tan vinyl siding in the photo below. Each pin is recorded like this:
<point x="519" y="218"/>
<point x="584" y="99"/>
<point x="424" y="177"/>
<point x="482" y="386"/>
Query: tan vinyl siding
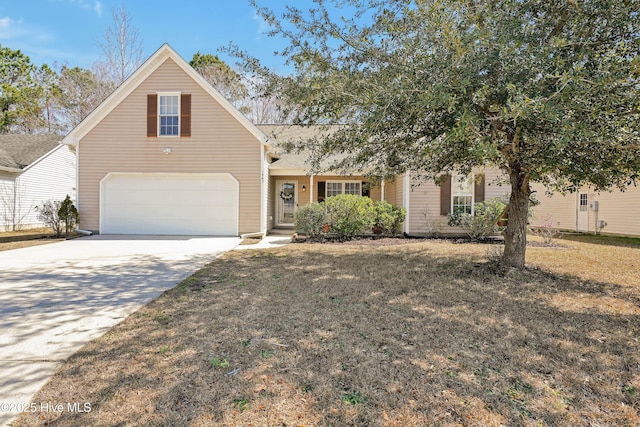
<point x="218" y="144"/>
<point x="393" y="191"/>
<point x="424" y="207"/>
<point x="558" y="209"/>
<point x="619" y="210"/>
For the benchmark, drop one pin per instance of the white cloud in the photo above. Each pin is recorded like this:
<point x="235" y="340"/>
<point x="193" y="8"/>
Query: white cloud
<point x="263" y="26"/>
<point x="11" y="29"/>
<point x="5" y="22"/>
<point x="98" y="8"/>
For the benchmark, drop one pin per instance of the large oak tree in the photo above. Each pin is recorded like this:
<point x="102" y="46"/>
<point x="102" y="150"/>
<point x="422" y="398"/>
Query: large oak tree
<point x="546" y="90"/>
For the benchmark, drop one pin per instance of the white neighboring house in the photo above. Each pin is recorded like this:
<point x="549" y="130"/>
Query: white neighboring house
<point x="33" y="169"/>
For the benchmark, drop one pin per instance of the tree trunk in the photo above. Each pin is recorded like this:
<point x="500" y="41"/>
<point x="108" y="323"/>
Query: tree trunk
<point x="515" y="234"/>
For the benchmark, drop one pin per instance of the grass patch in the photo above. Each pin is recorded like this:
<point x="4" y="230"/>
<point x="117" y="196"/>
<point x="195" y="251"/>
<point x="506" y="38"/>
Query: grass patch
<point x="25" y="238"/>
<point x="423" y="333"/>
<point x="631" y="242"/>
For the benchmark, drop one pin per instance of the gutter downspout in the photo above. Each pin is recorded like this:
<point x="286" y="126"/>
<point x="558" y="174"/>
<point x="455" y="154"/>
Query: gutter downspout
<point x="84" y="232"/>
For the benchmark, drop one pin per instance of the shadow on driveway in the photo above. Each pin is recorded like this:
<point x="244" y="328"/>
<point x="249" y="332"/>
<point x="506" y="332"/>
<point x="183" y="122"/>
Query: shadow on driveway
<point x="57" y="297"/>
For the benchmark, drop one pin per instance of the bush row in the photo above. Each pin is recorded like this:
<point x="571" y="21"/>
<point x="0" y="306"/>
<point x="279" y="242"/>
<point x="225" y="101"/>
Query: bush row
<point x="346" y="216"/>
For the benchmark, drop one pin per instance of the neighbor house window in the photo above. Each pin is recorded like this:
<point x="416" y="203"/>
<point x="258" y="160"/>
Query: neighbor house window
<point x="584" y="202"/>
<point x="169" y="115"/>
<point x="462" y="194"/>
<point x="335" y="188"/>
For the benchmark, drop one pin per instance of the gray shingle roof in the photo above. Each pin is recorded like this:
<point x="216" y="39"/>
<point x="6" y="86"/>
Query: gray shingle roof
<point x="281" y="134"/>
<point x="19" y="151"/>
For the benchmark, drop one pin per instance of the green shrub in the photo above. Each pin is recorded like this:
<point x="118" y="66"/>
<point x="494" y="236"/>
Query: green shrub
<point x="482" y="223"/>
<point x="308" y="220"/>
<point x="68" y="214"/>
<point x="388" y="217"/>
<point x="48" y="214"/>
<point x="349" y="215"/>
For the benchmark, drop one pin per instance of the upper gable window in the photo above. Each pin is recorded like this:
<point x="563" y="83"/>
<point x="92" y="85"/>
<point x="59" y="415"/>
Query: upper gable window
<point x="169" y="116"/>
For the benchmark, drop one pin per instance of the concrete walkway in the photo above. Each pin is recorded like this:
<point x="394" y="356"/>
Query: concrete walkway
<point x="55" y="298"/>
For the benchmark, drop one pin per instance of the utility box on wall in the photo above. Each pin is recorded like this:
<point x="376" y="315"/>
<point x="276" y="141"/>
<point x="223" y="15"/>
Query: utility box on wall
<point x="594" y="205"/>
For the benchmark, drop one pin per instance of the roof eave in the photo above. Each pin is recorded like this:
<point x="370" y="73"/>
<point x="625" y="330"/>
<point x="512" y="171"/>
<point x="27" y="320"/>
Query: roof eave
<point x="11" y="170"/>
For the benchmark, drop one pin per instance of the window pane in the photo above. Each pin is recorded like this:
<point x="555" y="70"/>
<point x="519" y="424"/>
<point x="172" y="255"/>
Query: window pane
<point x="462" y="194"/>
<point x="169" y="125"/>
<point x="462" y="204"/>
<point x="352" y="188"/>
<point x="169" y="118"/>
<point x="168" y="105"/>
<point x="334" y="188"/>
<point x="584" y="201"/>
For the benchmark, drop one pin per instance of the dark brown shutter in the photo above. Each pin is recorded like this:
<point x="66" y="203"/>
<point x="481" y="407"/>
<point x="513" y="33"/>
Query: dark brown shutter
<point x="478" y="188"/>
<point x="152" y="115"/>
<point x="321" y="190"/>
<point x="445" y="196"/>
<point x="185" y="115"/>
<point x="365" y="189"/>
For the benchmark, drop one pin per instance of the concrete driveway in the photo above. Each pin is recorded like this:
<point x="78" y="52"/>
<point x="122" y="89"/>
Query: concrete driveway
<point x="54" y="298"/>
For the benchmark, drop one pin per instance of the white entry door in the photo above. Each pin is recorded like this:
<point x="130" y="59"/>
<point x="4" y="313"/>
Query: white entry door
<point x="583" y="212"/>
<point x="286" y="201"/>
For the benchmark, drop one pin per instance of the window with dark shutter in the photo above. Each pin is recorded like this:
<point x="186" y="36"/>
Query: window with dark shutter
<point x="445" y="196"/>
<point x="478" y="188"/>
<point x="152" y="115"/>
<point x="321" y="191"/>
<point x="185" y="114"/>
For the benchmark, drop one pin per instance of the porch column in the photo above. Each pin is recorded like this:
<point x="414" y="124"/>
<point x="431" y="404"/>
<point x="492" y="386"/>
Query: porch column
<point x="382" y="189"/>
<point x="311" y="189"/>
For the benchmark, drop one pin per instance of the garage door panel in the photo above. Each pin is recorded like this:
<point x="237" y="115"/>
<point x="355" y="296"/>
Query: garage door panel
<point x="202" y="204"/>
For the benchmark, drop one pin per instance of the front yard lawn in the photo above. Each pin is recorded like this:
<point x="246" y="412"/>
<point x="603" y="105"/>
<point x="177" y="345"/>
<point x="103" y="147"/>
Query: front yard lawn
<point x="424" y="333"/>
<point x="26" y="238"/>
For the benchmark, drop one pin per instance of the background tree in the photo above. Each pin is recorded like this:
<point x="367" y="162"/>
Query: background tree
<point x="121" y="48"/>
<point x="80" y="92"/>
<point x="222" y="77"/>
<point x="545" y="90"/>
<point x="16" y="87"/>
<point x="47" y="79"/>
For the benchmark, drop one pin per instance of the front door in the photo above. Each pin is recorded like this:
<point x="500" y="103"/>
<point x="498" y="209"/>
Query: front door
<point x="583" y="212"/>
<point x="286" y="201"/>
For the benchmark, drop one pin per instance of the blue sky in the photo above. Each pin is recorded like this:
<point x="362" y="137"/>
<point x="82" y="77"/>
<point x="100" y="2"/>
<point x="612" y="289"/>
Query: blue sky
<point x="67" y="31"/>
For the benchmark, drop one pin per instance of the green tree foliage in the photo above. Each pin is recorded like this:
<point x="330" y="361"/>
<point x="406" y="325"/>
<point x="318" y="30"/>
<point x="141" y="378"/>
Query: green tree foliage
<point x="222" y="77"/>
<point x="309" y="219"/>
<point x="349" y="215"/>
<point x="68" y="214"/>
<point x="17" y="88"/>
<point x="483" y="222"/>
<point x="389" y="217"/>
<point x="546" y="90"/>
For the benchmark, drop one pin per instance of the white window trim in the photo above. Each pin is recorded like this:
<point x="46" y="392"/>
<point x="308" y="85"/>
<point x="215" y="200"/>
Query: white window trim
<point x="342" y="183"/>
<point x="179" y="95"/>
<point x="454" y="180"/>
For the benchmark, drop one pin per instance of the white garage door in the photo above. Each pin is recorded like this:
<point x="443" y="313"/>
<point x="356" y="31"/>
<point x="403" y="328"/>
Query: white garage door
<point x="169" y="204"/>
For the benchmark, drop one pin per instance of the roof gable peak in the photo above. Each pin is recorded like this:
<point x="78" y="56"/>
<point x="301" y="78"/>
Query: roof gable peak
<point x="164" y="53"/>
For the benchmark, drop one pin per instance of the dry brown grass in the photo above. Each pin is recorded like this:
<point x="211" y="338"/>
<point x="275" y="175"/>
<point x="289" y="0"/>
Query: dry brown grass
<point x="25" y="238"/>
<point x="415" y="334"/>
